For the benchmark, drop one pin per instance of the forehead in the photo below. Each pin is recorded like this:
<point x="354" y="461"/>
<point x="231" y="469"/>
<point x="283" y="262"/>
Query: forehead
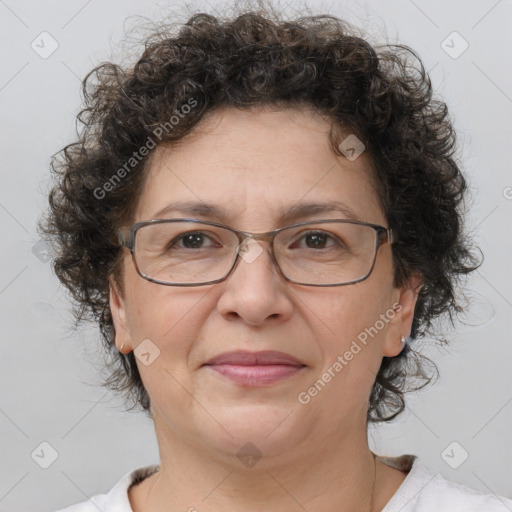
<point x="258" y="163"/>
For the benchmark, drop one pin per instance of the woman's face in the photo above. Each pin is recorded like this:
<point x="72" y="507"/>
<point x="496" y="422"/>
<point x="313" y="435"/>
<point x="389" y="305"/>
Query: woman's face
<point x="255" y="165"/>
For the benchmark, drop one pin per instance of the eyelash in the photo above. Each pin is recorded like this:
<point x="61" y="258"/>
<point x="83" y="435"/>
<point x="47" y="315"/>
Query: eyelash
<point x="303" y="235"/>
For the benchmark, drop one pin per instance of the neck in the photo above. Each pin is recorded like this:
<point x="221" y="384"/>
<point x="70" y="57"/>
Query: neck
<point x="341" y="475"/>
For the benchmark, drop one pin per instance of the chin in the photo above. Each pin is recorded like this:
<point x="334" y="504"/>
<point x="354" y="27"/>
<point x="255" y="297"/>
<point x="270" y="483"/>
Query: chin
<point x="267" y="430"/>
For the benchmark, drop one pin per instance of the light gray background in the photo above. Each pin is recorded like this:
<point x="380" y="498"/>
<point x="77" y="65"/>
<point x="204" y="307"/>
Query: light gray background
<point x="49" y="389"/>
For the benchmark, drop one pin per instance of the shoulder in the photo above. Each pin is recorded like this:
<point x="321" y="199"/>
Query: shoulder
<point x="116" y="500"/>
<point x="425" y="490"/>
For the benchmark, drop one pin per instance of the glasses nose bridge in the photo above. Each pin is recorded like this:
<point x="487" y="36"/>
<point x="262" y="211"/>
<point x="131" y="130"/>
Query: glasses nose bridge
<point x="245" y="236"/>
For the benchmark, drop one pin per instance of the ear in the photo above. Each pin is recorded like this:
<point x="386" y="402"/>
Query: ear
<point x="400" y="325"/>
<point x="119" y="317"/>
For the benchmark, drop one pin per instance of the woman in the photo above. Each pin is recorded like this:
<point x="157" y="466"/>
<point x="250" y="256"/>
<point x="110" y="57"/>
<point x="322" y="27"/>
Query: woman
<point x="260" y="214"/>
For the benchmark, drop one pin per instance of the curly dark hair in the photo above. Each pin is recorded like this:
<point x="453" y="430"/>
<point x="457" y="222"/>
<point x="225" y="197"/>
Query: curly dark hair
<point x="381" y="93"/>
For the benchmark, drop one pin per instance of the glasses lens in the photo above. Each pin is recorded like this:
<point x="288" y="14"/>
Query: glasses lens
<point x="323" y="253"/>
<point x="326" y="253"/>
<point x="184" y="252"/>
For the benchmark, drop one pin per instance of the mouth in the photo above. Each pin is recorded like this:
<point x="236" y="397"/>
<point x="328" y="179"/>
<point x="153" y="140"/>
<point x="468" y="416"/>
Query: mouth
<point x="255" y="369"/>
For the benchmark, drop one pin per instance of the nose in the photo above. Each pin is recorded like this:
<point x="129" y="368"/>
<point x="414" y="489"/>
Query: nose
<point x="255" y="291"/>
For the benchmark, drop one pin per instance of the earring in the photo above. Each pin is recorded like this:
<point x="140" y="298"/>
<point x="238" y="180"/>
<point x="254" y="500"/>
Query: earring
<point x="403" y="340"/>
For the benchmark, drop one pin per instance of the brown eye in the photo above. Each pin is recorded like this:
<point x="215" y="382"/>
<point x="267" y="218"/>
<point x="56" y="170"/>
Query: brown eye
<point x="192" y="240"/>
<point x="316" y="239"/>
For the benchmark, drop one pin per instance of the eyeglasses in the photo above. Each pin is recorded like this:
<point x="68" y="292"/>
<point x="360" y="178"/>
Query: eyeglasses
<point x="192" y="252"/>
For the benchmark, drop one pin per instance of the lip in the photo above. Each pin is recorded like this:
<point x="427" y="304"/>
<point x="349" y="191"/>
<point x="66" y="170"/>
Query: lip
<point x="247" y="358"/>
<point x="255" y="369"/>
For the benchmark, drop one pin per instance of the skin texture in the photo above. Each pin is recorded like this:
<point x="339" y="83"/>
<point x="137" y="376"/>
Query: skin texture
<point x="256" y="164"/>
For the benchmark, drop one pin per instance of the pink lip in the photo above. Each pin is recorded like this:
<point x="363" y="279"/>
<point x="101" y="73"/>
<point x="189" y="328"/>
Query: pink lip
<point x="255" y="368"/>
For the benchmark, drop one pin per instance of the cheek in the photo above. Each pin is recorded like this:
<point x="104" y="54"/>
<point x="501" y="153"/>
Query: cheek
<point x="168" y="316"/>
<point x="165" y="323"/>
<point x="353" y="318"/>
<point x="341" y="315"/>
<point x="351" y="339"/>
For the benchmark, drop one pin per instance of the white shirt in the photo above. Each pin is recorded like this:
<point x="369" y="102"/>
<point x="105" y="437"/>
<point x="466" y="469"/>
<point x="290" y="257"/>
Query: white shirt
<point x="423" y="490"/>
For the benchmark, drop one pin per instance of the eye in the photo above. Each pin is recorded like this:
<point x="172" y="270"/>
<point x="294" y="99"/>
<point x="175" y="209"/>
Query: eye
<point x="316" y="239"/>
<point x="192" y="240"/>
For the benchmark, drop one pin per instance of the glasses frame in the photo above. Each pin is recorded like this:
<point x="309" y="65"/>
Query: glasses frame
<point x="127" y="235"/>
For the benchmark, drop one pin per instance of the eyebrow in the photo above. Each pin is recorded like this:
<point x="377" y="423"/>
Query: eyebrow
<point x="293" y="213"/>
